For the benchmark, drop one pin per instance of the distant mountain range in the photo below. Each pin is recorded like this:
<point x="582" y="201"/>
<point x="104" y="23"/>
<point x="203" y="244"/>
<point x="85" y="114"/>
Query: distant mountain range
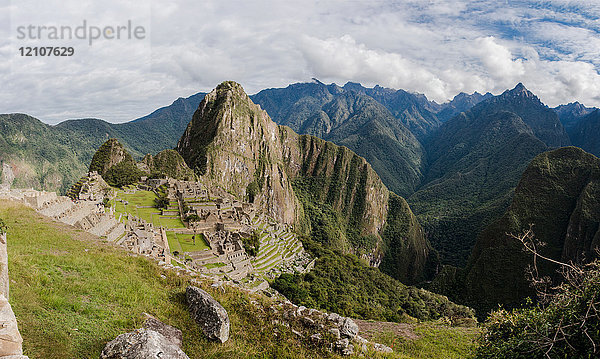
<point x="456" y="163"/>
<point x="47" y="157"/>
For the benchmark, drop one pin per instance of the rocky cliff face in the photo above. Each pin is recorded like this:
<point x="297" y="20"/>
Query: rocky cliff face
<point x="235" y="146"/>
<point x="301" y="180"/>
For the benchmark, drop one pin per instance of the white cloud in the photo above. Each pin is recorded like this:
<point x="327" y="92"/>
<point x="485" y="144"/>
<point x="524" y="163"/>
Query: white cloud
<point x="342" y="59"/>
<point x="499" y="62"/>
<point x="437" y="47"/>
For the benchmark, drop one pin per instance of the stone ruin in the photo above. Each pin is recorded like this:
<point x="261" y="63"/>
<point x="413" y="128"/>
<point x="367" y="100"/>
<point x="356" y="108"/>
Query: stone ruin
<point x="143" y="238"/>
<point x="90" y="187"/>
<point x="223" y="221"/>
<point x="11" y="342"/>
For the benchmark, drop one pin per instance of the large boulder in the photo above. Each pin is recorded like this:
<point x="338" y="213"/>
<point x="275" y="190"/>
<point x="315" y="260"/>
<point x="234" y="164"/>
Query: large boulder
<point x="172" y="334"/>
<point x="208" y="313"/>
<point x="142" y="344"/>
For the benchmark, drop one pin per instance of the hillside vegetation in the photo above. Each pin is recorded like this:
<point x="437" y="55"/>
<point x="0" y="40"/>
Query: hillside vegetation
<point x="566" y="325"/>
<point x="559" y="194"/>
<point x="344" y="284"/>
<point x="53" y="158"/>
<point x="72" y="293"/>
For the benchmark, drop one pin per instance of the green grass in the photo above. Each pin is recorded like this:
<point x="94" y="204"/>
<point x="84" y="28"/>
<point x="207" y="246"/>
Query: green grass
<point x="184" y="243"/>
<point x="173" y="242"/>
<point x="139" y="198"/>
<point x="141" y="204"/>
<point x="169" y="222"/>
<point x="72" y="294"/>
<point x="433" y="341"/>
<point x="150" y="215"/>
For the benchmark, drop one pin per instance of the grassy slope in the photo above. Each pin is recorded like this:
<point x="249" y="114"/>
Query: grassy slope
<point x="430" y="341"/>
<point x="72" y="294"/>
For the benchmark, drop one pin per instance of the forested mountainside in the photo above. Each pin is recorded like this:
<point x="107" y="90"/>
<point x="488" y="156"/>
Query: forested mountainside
<point x="559" y="197"/>
<point x="586" y="133"/>
<point x="37" y="155"/>
<point x="475" y="161"/>
<point x="53" y="158"/>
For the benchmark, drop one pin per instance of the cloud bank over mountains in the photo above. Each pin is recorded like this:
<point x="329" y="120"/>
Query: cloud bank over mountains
<point x="436" y="47"/>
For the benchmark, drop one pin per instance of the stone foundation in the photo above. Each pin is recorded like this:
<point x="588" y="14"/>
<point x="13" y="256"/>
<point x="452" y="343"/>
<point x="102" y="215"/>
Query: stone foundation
<point x="11" y="343"/>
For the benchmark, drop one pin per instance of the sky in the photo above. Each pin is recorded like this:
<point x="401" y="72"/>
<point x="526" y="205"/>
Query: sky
<point x="436" y="47"/>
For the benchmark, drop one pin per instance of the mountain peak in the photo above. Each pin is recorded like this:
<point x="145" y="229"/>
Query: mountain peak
<point x="520" y="90"/>
<point x="229" y="86"/>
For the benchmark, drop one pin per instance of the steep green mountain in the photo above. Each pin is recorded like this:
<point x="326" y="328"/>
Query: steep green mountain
<point x="586" y="133"/>
<point x="37" y="155"/>
<point x="570" y="114"/>
<point x="55" y="157"/>
<point x="110" y="154"/>
<point x="322" y="189"/>
<point x="115" y="164"/>
<point x="475" y="161"/>
<point x="167" y="163"/>
<point x="351" y="117"/>
<point x="559" y="194"/>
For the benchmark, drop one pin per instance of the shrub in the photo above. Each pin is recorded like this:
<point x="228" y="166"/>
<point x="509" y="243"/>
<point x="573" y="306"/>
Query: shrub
<point x="161" y="202"/>
<point x="252" y="191"/>
<point x="192" y="218"/>
<point x="565" y="323"/>
<point x="251" y="244"/>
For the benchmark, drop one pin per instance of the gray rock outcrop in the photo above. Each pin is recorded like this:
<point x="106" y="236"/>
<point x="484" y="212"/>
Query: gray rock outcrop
<point x="172" y="334"/>
<point x="142" y="344"/>
<point x="344" y="347"/>
<point x="349" y="329"/>
<point x="208" y="313"/>
<point x="382" y="348"/>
